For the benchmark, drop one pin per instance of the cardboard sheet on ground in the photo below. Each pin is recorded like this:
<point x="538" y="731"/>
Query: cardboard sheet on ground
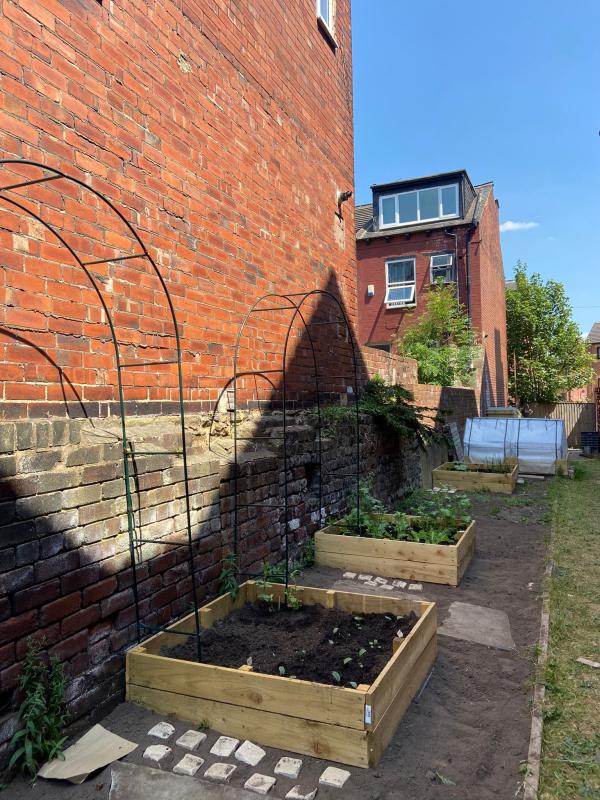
<point x="97" y="748"/>
<point x="478" y="624"/>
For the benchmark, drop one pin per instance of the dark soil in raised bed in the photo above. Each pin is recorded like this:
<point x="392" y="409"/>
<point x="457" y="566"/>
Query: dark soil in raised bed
<point x="310" y="643"/>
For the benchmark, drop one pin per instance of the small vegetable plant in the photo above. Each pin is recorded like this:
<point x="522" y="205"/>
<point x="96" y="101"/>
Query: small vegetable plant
<point x="41" y="713"/>
<point x="437" y="517"/>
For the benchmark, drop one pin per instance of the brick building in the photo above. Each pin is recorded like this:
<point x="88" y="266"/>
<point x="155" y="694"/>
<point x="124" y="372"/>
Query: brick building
<point x="222" y="132"/>
<point x="417" y="231"/>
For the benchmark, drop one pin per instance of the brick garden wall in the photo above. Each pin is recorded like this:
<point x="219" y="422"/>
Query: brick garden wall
<point x="65" y="559"/>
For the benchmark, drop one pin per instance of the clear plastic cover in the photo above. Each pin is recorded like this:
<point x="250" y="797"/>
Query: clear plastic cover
<point x="537" y="443"/>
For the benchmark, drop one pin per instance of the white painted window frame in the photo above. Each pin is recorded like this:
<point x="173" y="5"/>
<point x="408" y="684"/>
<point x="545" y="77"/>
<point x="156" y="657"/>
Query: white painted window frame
<point x="396" y="195"/>
<point x="410" y="303"/>
<point x="451" y="266"/>
<point x="331" y="24"/>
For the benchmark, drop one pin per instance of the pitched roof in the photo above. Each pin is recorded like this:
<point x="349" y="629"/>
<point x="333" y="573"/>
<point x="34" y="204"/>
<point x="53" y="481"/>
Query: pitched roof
<point x="593" y="336"/>
<point x="365" y="228"/>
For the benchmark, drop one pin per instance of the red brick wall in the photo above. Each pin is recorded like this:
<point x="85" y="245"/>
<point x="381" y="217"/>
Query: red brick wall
<point x="377" y="324"/>
<point x="488" y="304"/>
<point x="222" y="131"/>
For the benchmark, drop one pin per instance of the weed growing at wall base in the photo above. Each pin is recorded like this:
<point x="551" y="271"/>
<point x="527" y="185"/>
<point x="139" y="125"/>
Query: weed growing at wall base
<point x="41" y="712"/>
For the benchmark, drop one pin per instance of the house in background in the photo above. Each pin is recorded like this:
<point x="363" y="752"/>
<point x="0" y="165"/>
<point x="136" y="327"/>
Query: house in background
<point x="416" y="232"/>
<point x="593" y="341"/>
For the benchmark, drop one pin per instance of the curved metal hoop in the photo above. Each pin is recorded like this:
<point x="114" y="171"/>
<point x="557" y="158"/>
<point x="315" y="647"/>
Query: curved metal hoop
<point x="296" y="306"/>
<point x="127" y="446"/>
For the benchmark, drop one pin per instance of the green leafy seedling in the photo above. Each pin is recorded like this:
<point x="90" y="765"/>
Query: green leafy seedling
<point x="347" y="660"/>
<point x="336" y="676"/>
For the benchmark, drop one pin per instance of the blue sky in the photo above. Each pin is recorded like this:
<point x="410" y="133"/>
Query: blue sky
<point x="511" y="92"/>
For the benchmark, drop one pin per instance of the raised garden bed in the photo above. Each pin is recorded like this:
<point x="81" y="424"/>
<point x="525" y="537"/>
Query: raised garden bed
<point x="336" y="722"/>
<point x="477" y="477"/>
<point x="434" y="563"/>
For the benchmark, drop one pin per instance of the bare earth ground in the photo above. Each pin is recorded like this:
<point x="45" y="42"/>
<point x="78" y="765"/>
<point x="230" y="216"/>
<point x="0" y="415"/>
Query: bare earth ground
<point x="471" y="723"/>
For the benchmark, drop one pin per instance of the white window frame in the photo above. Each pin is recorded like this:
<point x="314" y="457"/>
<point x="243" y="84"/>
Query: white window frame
<point x="449" y="266"/>
<point x="396" y="195"/>
<point x="412" y="300"/>
<point x="331" y="6"/>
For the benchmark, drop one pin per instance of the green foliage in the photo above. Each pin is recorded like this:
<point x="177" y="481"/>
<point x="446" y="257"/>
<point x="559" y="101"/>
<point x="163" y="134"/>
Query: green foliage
<point x="546" y="354"/>
<point x="307" y="556"/>
<point x="41" y="713"/>
<point x="392" y="407"/>
<point x="228" y="579"/>
<point x="438" y="516"/>
<point x="440" y="504"/>
<point x="442" y="340"/>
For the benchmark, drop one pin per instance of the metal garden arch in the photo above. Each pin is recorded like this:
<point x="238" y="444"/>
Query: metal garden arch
<point x="293" y="302"/>
<point x="129" y="452"/>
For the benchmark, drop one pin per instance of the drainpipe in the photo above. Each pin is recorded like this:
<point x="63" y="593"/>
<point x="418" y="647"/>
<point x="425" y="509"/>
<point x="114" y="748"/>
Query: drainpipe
<point x="455" y="237"/>
<point x="470" y="233"/>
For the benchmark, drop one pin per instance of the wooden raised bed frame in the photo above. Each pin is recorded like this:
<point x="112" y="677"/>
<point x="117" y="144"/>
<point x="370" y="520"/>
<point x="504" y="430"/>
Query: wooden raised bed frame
<point x="473" y="481"/>
<point x="433" y="563"/>
<point x="351" y="726"/>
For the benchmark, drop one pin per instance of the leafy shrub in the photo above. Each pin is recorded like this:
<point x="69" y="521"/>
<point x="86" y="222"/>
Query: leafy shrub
<point x="440" y="504"/>
<point x="41" y="713"/>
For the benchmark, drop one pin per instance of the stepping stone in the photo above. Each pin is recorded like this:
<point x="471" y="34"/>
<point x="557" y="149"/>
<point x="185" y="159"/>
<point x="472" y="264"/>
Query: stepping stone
<point x="387" y="586"/>
<point x="162" y="730"/>
<point x="189" y="765"/>
<point x="478" y="624"/>
<point x="224" y="746"/>
<point x="415" y="587"/>
<point x="261" y="784"/>
<point x="349" y="575"/>
<point x="380" y="580"/>
<point x="249" y="753"/>
<point x="334" y="777"/>
<point x="290" y="767"/>
<point x="220" y="773"/>
<point x="371" y="583"/>
<point x="157" y="753"/>
<point x="399" y="584"/>
<point x="365" y="577"/>
<point x="191" y="740"/>
<point x="295" y="793"/>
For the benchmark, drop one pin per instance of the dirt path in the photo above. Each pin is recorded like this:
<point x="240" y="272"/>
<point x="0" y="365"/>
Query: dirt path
<point x="471" y="723"/>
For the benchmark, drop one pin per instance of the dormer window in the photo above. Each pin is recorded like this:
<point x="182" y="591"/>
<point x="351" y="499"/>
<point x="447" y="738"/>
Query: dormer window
<point x="442" y="267"/>
<point x="420" y="205"/>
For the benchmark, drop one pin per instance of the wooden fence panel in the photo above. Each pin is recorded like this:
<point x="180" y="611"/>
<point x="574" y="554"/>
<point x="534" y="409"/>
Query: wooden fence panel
<point x="578" y="417"/>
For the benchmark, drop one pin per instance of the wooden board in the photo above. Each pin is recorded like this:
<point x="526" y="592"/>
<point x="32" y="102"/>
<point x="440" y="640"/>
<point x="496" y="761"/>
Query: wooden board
<point x="407" y="560"/>
<point x="382" y="735"/>
<point x="312" y="701"/>
<point x="301" y="716"/>
<point x="333" y="742"/>
<point x="474" y="480"/>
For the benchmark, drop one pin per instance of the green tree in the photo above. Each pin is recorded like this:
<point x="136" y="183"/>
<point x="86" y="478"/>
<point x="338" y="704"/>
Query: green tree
<point x="546" y="354"/>
<point x="442" y="340"/>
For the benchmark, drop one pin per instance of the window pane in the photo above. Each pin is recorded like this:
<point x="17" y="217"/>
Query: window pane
<point x="441" y="260"/>
<point x="401" y="271"/>
<point x="429" y="204"/>
<point x="401" y="294"/>
<point x="388" y="210"/>
<point x="407" y="207"/>
<point x="449" y="201"/>
<point x="324" y="10"/>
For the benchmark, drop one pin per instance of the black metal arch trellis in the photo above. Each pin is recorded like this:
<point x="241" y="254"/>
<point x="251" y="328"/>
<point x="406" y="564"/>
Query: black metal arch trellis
<point x="129" y="451"/>
<point x="293" y="302"/>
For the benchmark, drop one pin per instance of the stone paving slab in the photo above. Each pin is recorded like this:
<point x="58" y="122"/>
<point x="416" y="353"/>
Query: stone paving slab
<point x="478" y="624"/>
<point x="132" y="782"/>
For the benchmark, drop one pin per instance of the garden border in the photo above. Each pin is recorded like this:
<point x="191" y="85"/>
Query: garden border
<point x="393" y="559"/>
<point x="351" y="726"/>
